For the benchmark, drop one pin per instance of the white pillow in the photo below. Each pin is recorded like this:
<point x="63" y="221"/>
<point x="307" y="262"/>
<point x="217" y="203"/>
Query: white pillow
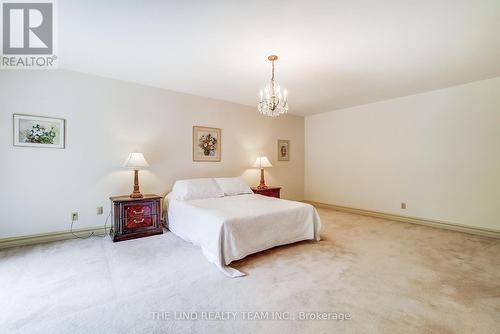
<point x="186" y="190"/>
<point x="233" y="186"/>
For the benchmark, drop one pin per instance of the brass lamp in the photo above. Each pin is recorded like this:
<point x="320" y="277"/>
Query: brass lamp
<point x="136" y="161"/>
<point x="262" y="162"/>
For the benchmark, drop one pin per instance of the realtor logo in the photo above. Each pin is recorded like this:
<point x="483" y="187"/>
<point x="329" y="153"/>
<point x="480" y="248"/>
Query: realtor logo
<point x="28" y="35"/>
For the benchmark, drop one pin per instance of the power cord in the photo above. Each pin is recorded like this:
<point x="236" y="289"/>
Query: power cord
<point x="92" y="234"/>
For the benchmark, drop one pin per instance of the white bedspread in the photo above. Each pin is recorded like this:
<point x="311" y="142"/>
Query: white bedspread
<point x="232" y="227"/>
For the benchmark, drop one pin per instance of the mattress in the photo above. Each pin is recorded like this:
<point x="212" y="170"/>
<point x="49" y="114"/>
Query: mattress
<point x="230" y="228"/>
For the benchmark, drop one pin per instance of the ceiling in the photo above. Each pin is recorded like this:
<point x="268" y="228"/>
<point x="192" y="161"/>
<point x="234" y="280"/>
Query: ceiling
<point x="332" y="54"/>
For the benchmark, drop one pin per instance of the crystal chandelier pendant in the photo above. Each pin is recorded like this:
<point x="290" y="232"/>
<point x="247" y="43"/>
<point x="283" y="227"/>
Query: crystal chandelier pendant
<point x="273" y="102"/>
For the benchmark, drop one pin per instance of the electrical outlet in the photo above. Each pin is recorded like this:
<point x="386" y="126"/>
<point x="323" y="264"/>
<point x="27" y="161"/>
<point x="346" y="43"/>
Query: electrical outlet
<point x="403" y="205"/>
<point x="99" y="210"/>
<point x="74" y="216"/>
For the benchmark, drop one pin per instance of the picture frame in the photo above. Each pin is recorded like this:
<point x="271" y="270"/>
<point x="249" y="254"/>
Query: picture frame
<point x="39" y="131"/>
<point x="283" y="150"/>
<point x="207" y="144"/>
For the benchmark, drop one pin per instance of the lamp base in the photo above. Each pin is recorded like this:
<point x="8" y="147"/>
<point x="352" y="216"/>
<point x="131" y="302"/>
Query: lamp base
<point x="136" y="193"/>
<point x="262" y="184"/>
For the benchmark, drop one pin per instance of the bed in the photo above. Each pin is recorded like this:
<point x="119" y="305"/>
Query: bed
<point x="230" y="223"/>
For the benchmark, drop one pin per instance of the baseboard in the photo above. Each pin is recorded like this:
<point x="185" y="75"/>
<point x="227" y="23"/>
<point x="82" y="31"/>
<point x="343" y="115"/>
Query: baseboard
<point x="64" y="235"/>
<point x="48" y="237"/>
<point x="413" y="220"/>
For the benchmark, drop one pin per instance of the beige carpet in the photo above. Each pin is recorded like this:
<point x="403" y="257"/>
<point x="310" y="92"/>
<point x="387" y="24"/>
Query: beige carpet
<point x="389" y="277"/>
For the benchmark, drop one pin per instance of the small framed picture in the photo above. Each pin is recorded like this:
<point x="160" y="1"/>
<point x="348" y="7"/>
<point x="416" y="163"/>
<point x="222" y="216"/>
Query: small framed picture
<point x="206" y="144"/>
<point x="39" y="131"/>
<point x="283" y="150"/>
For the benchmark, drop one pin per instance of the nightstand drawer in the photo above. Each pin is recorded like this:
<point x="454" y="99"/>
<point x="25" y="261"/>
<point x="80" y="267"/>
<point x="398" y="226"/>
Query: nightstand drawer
<point x="133" y="223"/>
<point x="139" y="210"/>
<point x="270" y="193"/>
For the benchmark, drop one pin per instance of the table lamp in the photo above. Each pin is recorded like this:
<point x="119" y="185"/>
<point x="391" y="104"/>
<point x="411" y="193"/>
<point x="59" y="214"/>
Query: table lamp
<point x="262" y="162"/>
<point x="136" y="161"/>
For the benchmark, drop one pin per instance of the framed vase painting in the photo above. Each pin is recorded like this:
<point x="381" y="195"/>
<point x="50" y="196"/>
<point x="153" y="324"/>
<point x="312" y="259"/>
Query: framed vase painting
<point x="38" y="131"/>
<point x="206" y="144"/>
<point x="283" y="150"/>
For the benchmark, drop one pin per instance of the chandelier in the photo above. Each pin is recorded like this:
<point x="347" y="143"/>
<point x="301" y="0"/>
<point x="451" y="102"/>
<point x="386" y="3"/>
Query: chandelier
<point x="272" y="102"/>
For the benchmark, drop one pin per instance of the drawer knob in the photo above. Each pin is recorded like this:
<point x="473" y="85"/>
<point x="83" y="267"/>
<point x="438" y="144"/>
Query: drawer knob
<point x="139" y="212"/>
<point x="139" y="221"/>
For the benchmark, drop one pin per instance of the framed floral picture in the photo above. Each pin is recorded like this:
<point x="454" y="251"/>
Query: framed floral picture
<point x="38" y="131"/>
<point x="283" y="150"/>
<point x="206" y="144"/>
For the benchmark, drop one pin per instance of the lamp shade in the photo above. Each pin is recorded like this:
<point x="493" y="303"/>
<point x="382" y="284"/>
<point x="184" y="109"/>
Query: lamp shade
<point x="262" y="162"/>
<point x="136" y="160"/>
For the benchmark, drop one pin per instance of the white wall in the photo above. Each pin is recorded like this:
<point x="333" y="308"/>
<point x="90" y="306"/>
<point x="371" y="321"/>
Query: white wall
<point x="107" y="119"/>
<point x="439" y="152"/>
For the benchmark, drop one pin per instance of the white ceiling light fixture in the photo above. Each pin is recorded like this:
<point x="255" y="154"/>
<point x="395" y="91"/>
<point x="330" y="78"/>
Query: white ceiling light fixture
<point x="272" y="102"/>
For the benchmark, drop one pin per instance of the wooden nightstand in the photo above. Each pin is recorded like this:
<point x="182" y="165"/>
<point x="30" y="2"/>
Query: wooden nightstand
<point x="135" y="217"/>
<point x="269" y="191"/>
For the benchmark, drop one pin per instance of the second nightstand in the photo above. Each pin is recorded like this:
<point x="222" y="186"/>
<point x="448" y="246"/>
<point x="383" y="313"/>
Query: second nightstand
<point x="269" y="191"/>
